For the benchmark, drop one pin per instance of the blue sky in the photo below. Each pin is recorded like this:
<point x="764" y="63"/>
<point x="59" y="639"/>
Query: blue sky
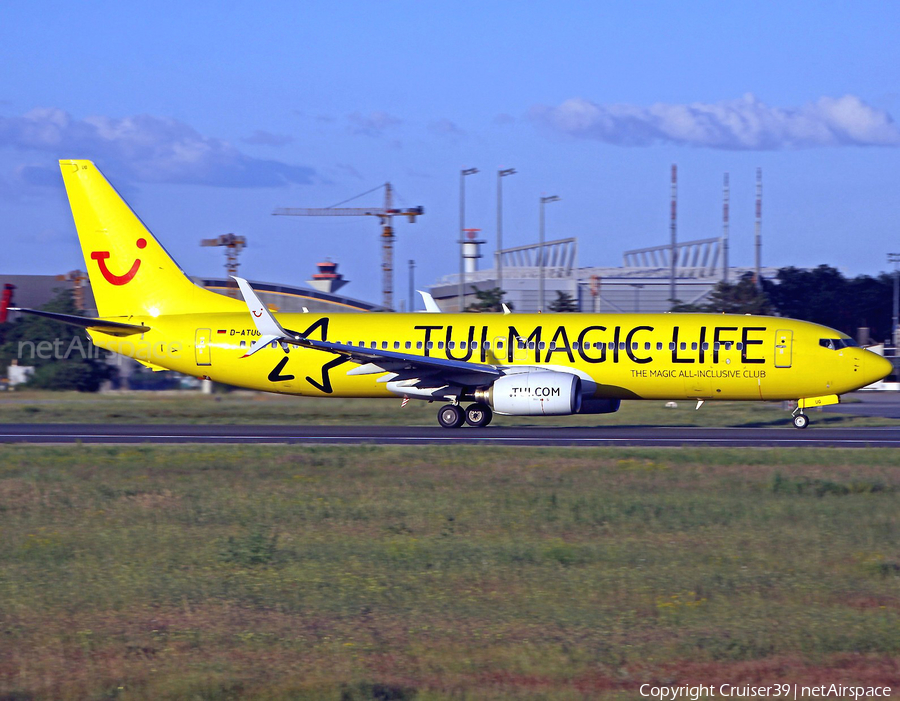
<point x="207" y="116"/>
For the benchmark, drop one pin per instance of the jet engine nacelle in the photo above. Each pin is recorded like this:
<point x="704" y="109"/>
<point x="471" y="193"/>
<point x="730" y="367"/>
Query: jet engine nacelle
<point x="540" y="393"/>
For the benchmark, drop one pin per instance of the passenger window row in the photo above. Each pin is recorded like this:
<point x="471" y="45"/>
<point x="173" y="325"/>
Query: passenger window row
<point x="830" y="343"/>
<point x="543" y="345"/>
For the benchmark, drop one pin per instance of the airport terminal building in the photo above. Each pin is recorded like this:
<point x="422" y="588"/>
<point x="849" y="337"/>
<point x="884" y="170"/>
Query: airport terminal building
<point x="644" y="282"/>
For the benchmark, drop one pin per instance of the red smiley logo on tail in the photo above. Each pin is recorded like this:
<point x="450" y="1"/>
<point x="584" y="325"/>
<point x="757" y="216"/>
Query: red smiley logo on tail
<point x="110" y="277"/>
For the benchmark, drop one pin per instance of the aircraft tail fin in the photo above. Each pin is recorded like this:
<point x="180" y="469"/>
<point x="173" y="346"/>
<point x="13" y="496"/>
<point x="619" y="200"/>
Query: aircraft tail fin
<point x="130" y="271"/>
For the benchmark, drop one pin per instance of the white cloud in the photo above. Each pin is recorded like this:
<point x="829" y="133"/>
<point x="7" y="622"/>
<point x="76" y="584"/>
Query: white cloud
<point x="446" y="128"/>
<point x="267" y="138"/>
<point x="145" y="148"/>
<point x="373" y="124"/>
<point x="743" y="124"/>
<point x="347" y="169"/>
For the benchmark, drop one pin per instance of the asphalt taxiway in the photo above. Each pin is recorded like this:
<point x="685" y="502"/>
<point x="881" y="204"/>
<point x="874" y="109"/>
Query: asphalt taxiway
<point x="822" y="436"/>
<point x="884" y="404"/>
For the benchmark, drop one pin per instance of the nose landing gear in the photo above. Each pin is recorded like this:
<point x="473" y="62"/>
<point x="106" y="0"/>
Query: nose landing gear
<point x="800" y="419"/>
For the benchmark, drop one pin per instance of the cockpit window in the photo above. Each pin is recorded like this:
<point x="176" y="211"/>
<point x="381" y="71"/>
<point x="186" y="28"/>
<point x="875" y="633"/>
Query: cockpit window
<point x="836" y="343"/>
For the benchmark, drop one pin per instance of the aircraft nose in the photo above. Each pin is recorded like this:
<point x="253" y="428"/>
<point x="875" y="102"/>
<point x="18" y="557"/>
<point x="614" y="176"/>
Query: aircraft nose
<point x="876" y="367"/>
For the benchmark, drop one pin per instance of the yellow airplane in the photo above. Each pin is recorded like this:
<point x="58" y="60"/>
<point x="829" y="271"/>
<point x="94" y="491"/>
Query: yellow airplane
<point x="514" y="365"/>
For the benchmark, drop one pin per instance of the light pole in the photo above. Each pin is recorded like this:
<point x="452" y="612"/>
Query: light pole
<point x="544" y="200"/>
<point x="412" y="285"/>
<point x="637" y="297"/>
<point x="725" y="232"/>
<point x="462" y="233"/>
<point x="673" y="232"/>
<point x="500" y="175"/>
<point x="895" y="259"/>
<point x="758" y="264"/>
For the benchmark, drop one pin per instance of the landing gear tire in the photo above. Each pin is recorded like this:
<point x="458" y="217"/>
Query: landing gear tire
<point x="451" y="416"/>
<point x="801" y="421"/>
<point x="479" y="415"/>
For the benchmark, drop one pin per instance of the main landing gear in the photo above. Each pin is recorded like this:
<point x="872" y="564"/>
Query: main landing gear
<point x="453" y="415"/>
<point x="479" y="415"/>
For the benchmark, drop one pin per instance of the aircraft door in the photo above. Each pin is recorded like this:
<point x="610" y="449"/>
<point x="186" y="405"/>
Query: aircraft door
<point x="784" y="341"/>
<point x="202" y="346"/>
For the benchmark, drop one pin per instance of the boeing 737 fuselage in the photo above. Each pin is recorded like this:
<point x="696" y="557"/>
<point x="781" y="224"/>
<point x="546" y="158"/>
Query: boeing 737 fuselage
<point x="510" y="364"/>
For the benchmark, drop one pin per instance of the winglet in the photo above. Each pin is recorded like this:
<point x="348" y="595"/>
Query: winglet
<point x="430" y="305"/>
<point x="267" y="325"/>
<point x="506" y="309"/>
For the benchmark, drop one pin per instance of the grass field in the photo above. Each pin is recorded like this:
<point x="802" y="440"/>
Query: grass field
<point x="260" y="408"/>
<point x="399" y="573"/>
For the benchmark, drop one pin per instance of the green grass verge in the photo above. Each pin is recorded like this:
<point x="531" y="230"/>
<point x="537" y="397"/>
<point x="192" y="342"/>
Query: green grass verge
<point x="387" y="572"/>
<point x="261" y="408"/>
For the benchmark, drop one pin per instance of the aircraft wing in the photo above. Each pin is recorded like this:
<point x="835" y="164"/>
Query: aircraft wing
<point x="370" y="360"/>
<point x="114" y="328"/>
<point x="393" y="361"/>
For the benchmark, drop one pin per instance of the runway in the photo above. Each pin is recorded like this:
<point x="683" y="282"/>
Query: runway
<point x="648" y="436"/>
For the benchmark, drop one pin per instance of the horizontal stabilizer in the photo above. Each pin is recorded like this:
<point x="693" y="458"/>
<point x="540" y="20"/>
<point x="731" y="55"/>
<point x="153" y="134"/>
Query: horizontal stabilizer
<point x="113" y="328"/>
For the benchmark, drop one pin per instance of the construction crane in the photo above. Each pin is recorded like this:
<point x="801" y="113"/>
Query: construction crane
<point x="232" y="245"/>
<point x="385" y="215"/>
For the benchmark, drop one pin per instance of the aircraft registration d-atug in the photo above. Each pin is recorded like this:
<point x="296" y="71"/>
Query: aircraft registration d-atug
<point x="509" y="364"/>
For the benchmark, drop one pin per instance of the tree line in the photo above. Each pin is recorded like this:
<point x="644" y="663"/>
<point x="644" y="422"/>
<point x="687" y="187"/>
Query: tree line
<point x="821" y="295"/>
<point x="62" y="356"/>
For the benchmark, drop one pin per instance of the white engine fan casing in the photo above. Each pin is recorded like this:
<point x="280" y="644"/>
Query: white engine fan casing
<point x="537" y="393"/>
